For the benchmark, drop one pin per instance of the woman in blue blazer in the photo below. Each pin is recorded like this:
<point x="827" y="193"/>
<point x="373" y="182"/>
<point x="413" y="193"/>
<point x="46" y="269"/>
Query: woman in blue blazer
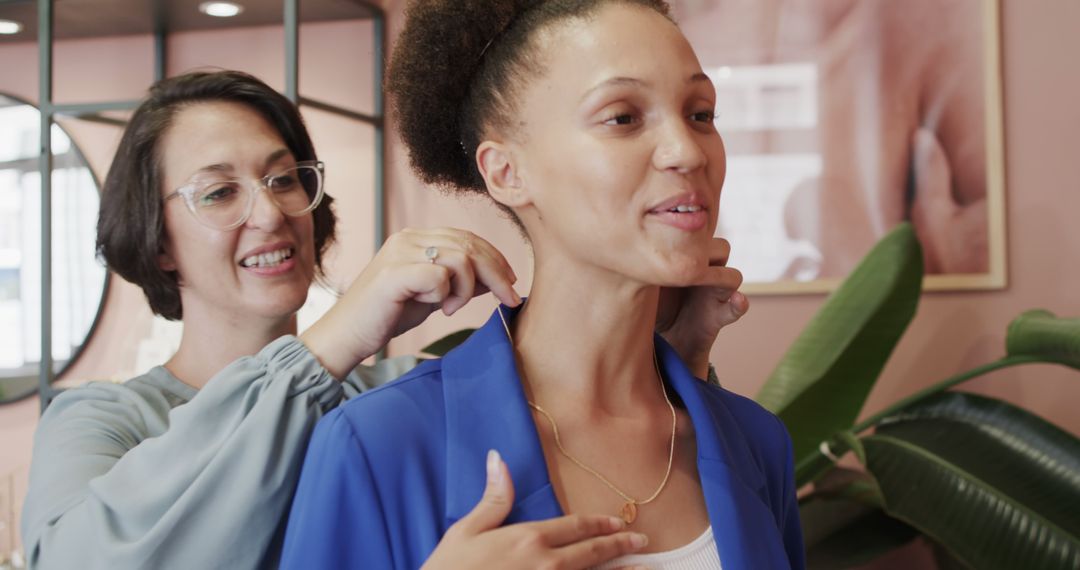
<point x="591" y="124"/>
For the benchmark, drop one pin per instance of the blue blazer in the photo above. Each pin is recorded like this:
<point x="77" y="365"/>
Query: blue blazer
<point x="389" y="471"/>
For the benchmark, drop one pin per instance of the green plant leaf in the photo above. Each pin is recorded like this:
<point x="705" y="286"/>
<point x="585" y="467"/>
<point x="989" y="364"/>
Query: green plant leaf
<point x="822" y="382"/>
<point x="1040" y="333"/>
<point x="840" y="533"/>
<point x="814" y="466"/>
<point x="447" y="343"/>
<point x="1035" y="336"/>
<point x="849" y="484"/>
<point x="995" y="485"/>
<point x="844" y="524"/>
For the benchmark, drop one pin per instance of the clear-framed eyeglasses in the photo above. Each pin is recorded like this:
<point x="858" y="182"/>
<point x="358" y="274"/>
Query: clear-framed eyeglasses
<point x="224" y="203"/>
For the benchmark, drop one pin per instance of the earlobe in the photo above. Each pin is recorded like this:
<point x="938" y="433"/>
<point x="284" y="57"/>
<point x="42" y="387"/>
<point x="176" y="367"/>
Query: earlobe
<point x="166" y="262"/>
<point x="497" y="166"/>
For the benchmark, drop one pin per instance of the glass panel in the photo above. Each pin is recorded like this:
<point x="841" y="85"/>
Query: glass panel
<point x="78" y="278"/>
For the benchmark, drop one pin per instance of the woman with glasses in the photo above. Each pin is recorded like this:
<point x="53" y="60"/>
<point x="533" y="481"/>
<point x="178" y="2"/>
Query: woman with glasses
<point x="215" y="206"/>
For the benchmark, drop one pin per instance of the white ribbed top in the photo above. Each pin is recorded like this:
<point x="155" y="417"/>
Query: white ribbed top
<point x="700" y="554"/>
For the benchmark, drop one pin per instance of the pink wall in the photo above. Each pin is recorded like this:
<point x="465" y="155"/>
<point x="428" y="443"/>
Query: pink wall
<point x="952" y="331"/>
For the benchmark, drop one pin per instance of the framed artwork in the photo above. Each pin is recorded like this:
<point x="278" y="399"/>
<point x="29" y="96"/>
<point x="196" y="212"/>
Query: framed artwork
<point x="843" y="118"/>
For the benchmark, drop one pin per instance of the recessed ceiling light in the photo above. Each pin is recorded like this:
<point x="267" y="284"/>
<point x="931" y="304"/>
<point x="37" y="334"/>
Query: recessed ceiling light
<point x="220" y="9"/>
<point x="9" y="27"/>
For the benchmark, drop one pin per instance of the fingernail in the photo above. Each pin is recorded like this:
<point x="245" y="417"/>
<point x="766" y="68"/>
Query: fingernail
<point x="638" y="540"/>
<point x="494" y="473"/>
<point x="616" y="523"/>
<point x="739" y="303"/>
<point x="516" y="296"/>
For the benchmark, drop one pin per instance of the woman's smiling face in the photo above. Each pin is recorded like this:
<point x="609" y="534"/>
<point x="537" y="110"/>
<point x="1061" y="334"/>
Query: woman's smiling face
<point x="261" y="269"/>
<point x="615" y="148"/>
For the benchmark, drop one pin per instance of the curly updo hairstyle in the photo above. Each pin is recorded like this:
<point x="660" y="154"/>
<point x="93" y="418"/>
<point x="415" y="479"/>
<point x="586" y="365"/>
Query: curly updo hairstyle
<point x="457" y="69"/>
<point x="131" y="221"/>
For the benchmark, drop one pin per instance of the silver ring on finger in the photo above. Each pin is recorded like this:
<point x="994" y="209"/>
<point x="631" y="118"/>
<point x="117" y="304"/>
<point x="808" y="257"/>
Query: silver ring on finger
<point x="431" y="254"/>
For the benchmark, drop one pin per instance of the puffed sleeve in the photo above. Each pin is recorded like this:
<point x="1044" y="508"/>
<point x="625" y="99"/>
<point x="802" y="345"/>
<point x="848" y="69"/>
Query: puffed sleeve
<point x="337" y="519"/>
<point x="207" y="488"/>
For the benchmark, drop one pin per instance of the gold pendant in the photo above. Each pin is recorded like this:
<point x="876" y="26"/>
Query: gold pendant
<point x="628" y="512"/>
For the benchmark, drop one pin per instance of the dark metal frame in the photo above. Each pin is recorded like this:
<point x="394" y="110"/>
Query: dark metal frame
<point x="93" y="112"/>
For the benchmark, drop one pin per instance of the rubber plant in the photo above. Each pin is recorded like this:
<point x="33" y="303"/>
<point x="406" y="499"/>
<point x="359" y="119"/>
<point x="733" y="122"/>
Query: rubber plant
<point x="989" y="484"/>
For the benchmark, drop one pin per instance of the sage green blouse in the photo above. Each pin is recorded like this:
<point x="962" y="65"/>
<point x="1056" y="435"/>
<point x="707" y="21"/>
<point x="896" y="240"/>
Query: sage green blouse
<point x="153" y="473"/>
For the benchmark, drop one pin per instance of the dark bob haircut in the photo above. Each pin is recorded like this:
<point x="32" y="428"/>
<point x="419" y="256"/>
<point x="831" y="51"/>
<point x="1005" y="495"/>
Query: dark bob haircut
<point x="131" y="223"/>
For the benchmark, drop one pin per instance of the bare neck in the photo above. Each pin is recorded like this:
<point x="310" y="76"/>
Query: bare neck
<point x="209" y="344"/>
<point x="587" y="338"/>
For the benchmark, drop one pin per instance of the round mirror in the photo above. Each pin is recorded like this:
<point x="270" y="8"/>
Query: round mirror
<point x="78" y="278"/>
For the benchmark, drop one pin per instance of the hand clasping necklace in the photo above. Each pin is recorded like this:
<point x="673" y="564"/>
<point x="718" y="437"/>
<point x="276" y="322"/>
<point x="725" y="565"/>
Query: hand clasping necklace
<point x="629" y="510"/>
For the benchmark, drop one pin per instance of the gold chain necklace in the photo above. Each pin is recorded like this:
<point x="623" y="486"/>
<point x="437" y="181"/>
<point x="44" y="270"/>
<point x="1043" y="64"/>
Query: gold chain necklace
<point x="629" y="510"/>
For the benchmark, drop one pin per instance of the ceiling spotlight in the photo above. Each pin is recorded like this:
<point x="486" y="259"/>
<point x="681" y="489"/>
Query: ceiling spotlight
<point x="220" y="9"/>
<point x="9" y="27"/>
